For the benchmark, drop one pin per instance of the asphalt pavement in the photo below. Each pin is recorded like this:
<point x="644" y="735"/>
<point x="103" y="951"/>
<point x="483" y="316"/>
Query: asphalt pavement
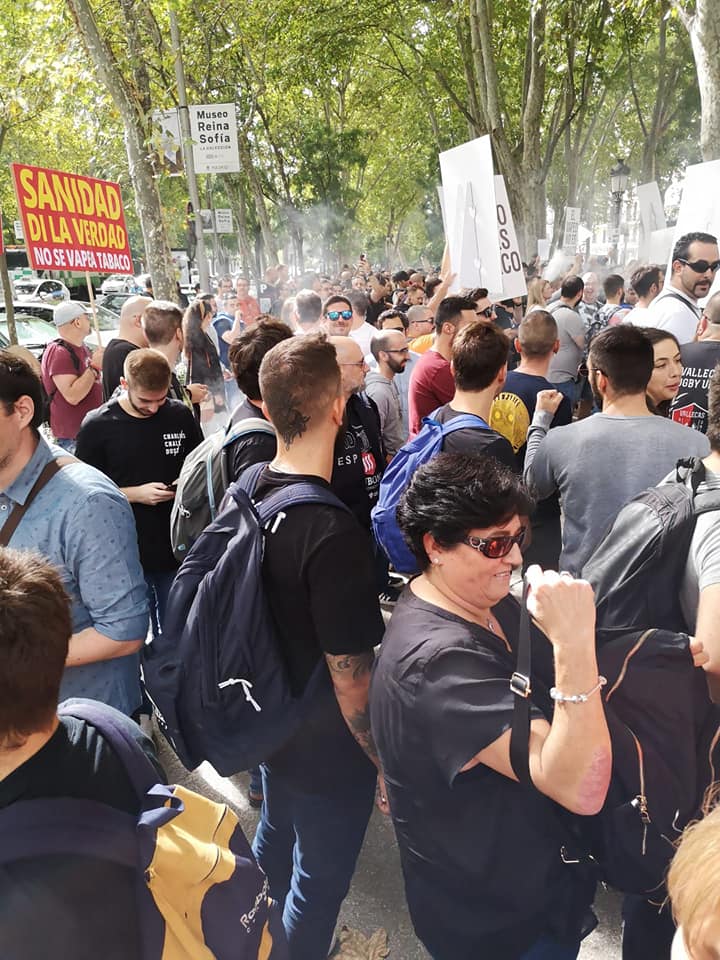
<point x="376" y="901"/>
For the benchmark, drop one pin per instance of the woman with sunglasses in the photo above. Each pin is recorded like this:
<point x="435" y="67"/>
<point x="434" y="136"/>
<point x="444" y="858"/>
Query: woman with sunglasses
<point x="482" y="855"/>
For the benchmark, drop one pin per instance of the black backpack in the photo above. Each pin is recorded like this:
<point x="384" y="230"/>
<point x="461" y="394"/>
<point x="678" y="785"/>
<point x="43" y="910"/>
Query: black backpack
<point x="47" y="398"/>
<point x="637" y="568"/>
<point x="664" y="730"/>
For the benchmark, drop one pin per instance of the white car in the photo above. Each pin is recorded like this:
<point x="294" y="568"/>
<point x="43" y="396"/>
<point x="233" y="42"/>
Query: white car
<point x="118" y="283"/>
<point x="47" y="291"/>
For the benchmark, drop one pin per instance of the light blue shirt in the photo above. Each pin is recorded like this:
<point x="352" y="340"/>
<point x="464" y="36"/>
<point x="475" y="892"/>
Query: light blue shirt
<point x="82" y="524"/>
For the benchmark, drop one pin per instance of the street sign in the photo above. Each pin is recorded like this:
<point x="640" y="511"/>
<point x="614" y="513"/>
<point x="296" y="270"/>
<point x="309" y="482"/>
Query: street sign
<point x="224" y="221"/>
<point x="213" y="128"/>
<point x="572" y="222"/>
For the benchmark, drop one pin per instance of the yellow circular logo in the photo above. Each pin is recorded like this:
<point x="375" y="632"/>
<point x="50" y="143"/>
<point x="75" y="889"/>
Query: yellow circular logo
<point x="509" y="417"/>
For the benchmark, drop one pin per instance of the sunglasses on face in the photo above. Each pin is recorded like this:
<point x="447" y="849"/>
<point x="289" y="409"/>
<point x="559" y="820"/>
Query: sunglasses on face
<point x="496" y="547"/>
<point x="701" y="266"/>
<point x="487" y="312"/>
<point x="336" y="314"/>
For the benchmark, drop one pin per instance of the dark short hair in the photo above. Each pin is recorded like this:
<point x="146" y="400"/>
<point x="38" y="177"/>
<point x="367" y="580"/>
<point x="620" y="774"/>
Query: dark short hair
<point x="336" y="298"/>
<point x="400" y="276"/>
<point x="454" y="493"/>
<point x="308" y="307"/>
<point x="147" y="369"/>
<point x="656" y="335"/>
<point x="391" y="315"/>
<point x="479" y="352"/>
<point x="643" y="278"/>
<point x="571" y="287"/>
<point x="299" y="380"/>
<point x="35" y="630"/>
<point x="625" y="355"/>
<point x="537" y="333"/>
<point x="474" y="293"/>
<point x="359" y="301"/>
<point x="613" y="284"/>
<point x="161" y="319"/>
<point x="247" y="351"/>
<point x="681" y="249"/>
<point x="450" y="309"/>
<point x="18" y="379"/>
<point x="713" y="427"/>
<point x="431" y="285"/>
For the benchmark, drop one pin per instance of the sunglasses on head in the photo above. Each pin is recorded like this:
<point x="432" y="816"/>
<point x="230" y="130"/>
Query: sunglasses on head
<point x="496" y="547"/>
<point x="487" y="312"/>
<point x="336" y="314"/>
<point x="701" y="266"/>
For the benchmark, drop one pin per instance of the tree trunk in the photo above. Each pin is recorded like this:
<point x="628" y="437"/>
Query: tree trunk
<point x="704" y="29"/>
<point x="268" y="238"/>
<point x="147" y="198"/>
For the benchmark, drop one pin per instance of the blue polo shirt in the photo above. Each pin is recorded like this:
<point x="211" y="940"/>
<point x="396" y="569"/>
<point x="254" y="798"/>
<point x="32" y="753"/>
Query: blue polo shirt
<point x="82" y="524"/>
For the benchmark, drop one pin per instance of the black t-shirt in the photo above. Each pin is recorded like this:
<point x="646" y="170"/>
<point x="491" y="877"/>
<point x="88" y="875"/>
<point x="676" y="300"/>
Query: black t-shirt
<point x="480" y="852"/>
<point x="359" y="458"/>
<point x="690" y="406"/>
<point x="136" y="450"/>
<point x="113" y="362"/>
<point x="253" y="448"/>
<point x="71" y="907"/>
<point x="478" y="442"/>
<point x="320" y="584"/>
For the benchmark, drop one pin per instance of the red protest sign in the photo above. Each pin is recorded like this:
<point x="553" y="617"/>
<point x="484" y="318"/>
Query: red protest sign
<point x="71" y="222"/>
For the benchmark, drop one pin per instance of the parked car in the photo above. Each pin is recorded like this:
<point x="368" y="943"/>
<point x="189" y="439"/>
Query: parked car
<point x="32" y="332"/>
<point x="47" y="291"/>
<point x="113" y="302"/>
<point x="119" y="283"/>
<point x="108" y="320"/>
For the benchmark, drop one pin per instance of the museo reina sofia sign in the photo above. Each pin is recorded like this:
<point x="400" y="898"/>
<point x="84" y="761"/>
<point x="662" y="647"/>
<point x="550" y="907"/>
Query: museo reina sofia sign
<point x="71" y="222"/>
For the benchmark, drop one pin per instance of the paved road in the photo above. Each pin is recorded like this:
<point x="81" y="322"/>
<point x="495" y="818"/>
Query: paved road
<point x="376" y="897"/>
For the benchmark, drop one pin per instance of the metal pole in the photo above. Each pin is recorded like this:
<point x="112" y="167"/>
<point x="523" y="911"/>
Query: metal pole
<point x="188" y="154"/>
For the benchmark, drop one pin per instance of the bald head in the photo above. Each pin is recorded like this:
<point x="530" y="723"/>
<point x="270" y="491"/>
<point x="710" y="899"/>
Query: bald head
<point x="712" y="309"/>
<point x="352" y="364"/>
<point x="130" y="327"/>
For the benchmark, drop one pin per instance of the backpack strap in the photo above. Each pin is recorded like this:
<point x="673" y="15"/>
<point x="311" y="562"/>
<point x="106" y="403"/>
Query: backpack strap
<point x="20" y="509"/>
<point x="520" y="686"/>
<point x="295" y="494"/>
<point x="248" y="479"/>
<point x="676" y="296"/>
<point x="112" y="728"/>
<point x="465" y="421"/>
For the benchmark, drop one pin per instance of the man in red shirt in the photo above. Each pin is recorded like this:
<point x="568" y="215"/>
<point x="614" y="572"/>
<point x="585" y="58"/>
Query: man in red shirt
<point x="431" y="383"/>
<point x="71" y="374"/>
<point x="246" y="305"/>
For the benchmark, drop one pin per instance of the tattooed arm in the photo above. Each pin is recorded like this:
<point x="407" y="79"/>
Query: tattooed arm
<point x="351" y="680"/>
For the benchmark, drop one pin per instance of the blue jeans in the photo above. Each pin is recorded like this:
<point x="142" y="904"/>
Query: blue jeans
<point x="158" y="585"/>
<point x="308" y="844"/>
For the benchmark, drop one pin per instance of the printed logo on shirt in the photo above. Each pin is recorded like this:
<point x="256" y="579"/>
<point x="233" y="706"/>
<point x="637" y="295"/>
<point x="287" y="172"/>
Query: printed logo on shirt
<point x="369" y="464"/>
<point x="510" y="418"/>
<point x="691" y="415"/>
<point x="173" y="443"/>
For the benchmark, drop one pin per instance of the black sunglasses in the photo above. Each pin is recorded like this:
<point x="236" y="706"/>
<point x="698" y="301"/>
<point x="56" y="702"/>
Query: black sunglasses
<point x="496" y="547"/>
<point x="487" y="312"/>
<point x="700" y="266"/>
<point x="336" y="314"/>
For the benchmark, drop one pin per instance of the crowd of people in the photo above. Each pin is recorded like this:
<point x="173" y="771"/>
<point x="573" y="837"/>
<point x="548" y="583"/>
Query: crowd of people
<point x="584" y="394"/>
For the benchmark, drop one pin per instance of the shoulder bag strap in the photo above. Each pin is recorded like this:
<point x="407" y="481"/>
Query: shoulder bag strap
<point x="20" y="509"/>
<point x="520" y="686"/>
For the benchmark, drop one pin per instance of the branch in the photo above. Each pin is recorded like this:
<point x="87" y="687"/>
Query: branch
<point x="631" y="77"/>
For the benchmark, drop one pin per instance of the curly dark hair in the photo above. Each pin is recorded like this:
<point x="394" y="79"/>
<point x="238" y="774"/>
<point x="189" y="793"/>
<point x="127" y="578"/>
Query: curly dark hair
<point x="454" y="493"/>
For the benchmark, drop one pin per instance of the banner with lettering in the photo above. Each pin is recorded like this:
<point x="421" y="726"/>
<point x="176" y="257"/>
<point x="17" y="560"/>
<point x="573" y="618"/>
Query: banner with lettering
<point x="71" y="222"/>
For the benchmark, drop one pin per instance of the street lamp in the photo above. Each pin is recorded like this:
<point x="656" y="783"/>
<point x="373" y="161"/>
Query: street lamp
<point x="619" y="175"/>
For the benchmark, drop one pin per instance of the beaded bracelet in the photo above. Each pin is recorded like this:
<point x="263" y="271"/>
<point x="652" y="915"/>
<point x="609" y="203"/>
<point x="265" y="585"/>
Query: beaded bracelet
<point x="576" y="697"/>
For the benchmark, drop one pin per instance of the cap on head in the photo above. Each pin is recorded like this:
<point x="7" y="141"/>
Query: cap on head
<point x="67" y="311"/>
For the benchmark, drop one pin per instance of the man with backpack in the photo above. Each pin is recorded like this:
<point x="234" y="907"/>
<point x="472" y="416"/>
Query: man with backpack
<point x="320" y="585"/>
<point x="71" y="374"/>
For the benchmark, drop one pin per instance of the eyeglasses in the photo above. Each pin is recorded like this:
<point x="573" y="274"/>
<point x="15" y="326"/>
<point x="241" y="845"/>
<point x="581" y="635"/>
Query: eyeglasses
<point x="496" y="547"/>
<point x="487" y="312"/>
<point x="358" y="363"/>
<point x="399" y="350"/>
<point x="700" y="266"/>
<point x="336" y="314"/>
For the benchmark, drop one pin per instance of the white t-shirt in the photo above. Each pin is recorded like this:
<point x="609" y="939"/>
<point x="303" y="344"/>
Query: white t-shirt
<point x="363" y="335"/>
<point x="702" y="568"/>
<point x="638" y="316"/>
<point x="673" y="311"/>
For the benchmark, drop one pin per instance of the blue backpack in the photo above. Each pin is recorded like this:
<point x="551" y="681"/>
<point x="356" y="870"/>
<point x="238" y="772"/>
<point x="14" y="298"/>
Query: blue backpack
<point x="398" y="474"/>
<point x="217" y="678"/>
<point x="199" y="890"/>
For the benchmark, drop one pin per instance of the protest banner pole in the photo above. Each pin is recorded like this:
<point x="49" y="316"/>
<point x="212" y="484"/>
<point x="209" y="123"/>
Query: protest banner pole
<point x="7" y="290"/>
<point x="91" y="295"/>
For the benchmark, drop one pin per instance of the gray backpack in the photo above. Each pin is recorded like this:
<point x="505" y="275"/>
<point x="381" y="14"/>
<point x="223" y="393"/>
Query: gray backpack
<point x="202" y="483"/>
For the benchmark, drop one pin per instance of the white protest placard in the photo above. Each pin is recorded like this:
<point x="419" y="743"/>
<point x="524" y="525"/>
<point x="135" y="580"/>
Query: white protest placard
<point x="660" y="246"/>
<point x="223" y="220"/>
<point x="213" y="128"/>
<point x="166" y="140"/>
<point x="699" y="208"/>
<point x="543" y="250"/>
<point x="511" y="268"/>
<point x="18" y="230"/>
<point x="470" y="216"/>
<point x="651" y="214"/>
<point x="572" y="222"/>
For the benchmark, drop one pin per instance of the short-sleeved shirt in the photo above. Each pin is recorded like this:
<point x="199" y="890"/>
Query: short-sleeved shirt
<point x="363" y="335"/>
<point x="252" y="448"/>
<point x="564" y="365"/>
<point x="359" y="459"/>
<point x="690" y="405"/>
<point x="479" y="852"/>
<point x="65" y="419"/>
<point x="476" y="442"/>
<point x="319" y="579"/>
<point x="82" y="524"/>
<point x="514" y="407"/>
<point x="674" y="311"/>
<point x="136" y="450"/>
<point x="702" y="568"/>
<point x="60" y="906"/>
<point x="423" y="343"/>
<point x="113" y="364"/>
<point x="431" y="386"/>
